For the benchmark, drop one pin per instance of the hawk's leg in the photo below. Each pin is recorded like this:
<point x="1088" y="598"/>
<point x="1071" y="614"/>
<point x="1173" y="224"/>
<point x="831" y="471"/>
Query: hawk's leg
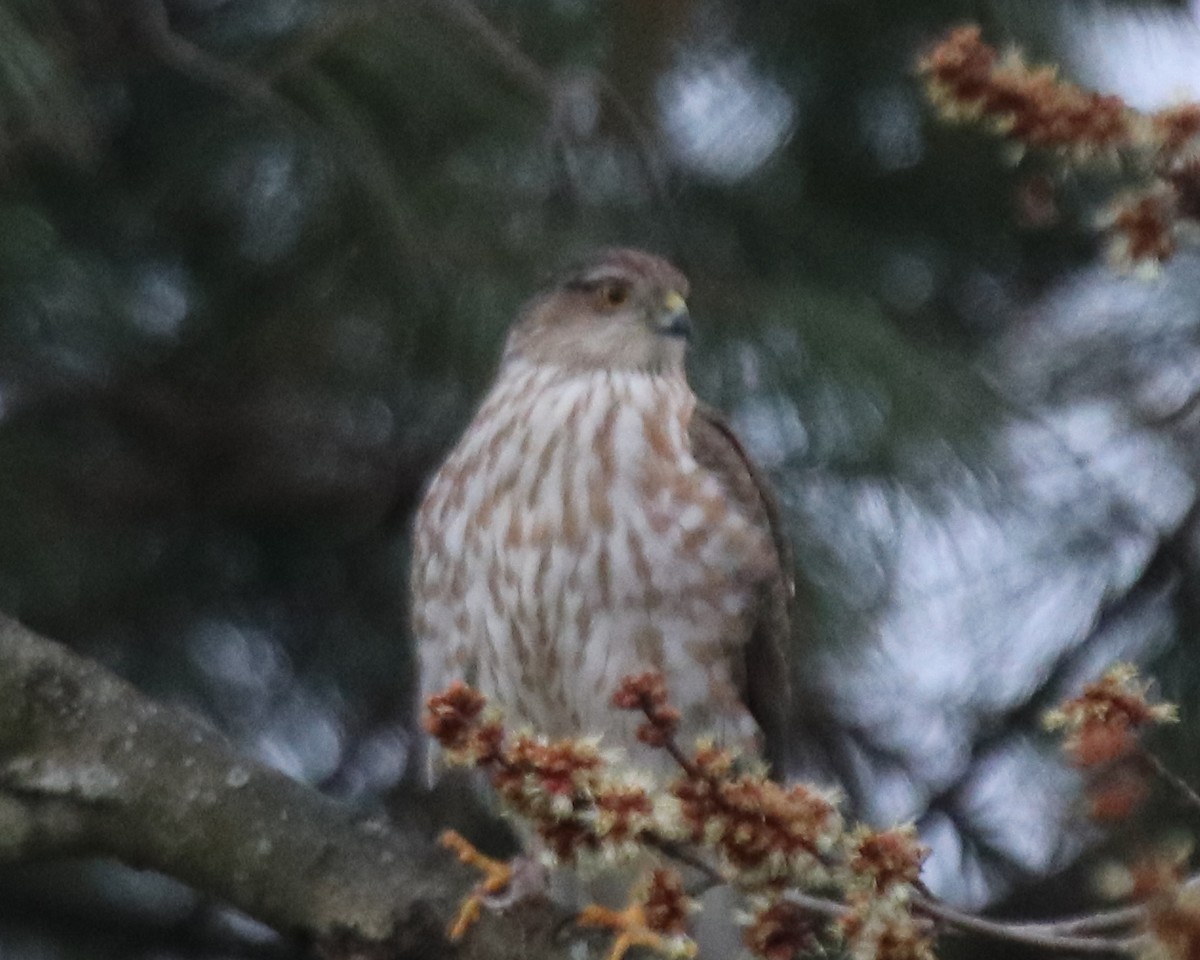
<point x="503" y="883"/>
<point x="633" y="930"/>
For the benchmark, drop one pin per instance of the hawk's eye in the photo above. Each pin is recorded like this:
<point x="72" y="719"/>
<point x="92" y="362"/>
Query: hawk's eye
<point x="611" y="295"/>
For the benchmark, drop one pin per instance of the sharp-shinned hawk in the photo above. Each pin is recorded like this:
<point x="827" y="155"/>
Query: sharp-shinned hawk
<point x="596" y="520"/>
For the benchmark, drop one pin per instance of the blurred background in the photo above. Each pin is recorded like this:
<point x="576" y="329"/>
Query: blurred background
<point x="257" y="258"/>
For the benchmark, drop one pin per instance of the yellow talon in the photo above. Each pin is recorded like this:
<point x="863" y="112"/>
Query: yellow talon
<point x="497" y="875"/>
<point x="630" y="925"/>
<point x="467" y="914"/>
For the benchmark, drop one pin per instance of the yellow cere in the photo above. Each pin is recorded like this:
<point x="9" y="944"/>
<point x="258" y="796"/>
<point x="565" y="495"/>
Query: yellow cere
<point x="674" y="302"/>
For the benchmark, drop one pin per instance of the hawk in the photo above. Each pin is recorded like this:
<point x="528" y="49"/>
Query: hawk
<point x="596" y="520"/>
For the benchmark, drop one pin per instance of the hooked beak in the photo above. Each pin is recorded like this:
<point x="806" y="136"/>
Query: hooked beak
<point x="675" y="321"/>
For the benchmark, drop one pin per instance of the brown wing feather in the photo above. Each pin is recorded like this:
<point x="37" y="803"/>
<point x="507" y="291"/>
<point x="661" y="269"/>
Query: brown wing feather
<point x="767" y="679"/>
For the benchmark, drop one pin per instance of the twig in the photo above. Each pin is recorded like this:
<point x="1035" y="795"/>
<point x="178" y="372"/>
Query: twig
<point x="819" y="905"/>
<point x="1087" y="923"/>
<point x="1050" y="936"/>
<point x="150" y="21"/>
<point x="527" y="74"/>
<point x="681" y="854"/>
<point x="685" y="764"/>
<point x="519" y="68"/>
<point x="1176" y="782"/>
<point x="648" y="154"/>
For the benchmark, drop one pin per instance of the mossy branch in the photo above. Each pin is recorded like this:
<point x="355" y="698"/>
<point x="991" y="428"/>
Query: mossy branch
<point x="91" y="767"/>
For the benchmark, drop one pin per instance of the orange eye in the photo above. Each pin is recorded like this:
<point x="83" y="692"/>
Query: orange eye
<point x="612" y="295"/>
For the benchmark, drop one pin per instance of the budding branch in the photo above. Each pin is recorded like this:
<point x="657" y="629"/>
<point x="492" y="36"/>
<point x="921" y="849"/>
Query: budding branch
<point x="90" y="767"/>
<point x="786" y="847"/>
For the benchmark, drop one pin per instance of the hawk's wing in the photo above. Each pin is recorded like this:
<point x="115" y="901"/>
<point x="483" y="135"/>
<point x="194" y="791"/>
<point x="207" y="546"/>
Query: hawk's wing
<point x="767" y="683"/>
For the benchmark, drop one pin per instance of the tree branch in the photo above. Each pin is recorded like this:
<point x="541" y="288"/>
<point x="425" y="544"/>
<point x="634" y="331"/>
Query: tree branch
<point x="90" y="767"/>
<point x="1075" y="935"/>
<point x="152" y="26"/>
<point x="524" y="73"/>
<point x="1181" y="787"/>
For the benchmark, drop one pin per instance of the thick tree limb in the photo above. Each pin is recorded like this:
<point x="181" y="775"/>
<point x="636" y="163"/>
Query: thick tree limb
<point x="90" y="767"/>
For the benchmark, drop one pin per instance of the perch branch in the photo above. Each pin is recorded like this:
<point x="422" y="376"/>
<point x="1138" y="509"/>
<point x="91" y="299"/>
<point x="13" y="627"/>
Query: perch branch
<point x="91" y="767"/>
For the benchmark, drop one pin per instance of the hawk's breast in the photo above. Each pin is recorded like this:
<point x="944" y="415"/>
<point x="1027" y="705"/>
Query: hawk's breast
<point x="570" y="539"/>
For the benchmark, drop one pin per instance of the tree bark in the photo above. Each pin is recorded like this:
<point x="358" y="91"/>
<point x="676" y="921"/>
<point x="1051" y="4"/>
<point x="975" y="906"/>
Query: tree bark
<point x="90" y="767"/>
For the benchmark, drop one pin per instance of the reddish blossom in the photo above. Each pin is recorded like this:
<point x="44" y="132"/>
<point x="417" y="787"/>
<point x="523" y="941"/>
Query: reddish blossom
<point x="567" y="838"/>
<point x="1158" y="875"/>
<point x="1117" y="795"/>
<point x="713" y="762"/>
<point x="647" y="692"/>
<point x="887" y="857"/>
<point x="1176" y="128"/>
<point x="1099" y="743"/>
<point x="666" y="904"/>
<point x="962" y="64"/>
<point x="1144" y="227"/>
<point x="1102" y="722"/>
<point x="755" y="823"/>
<point x="967" y="78"/>
<point x="450" y="716"/>
<point x="884" y="929"/>
<point x="622" y="811"/>
<point x="559" y="765"/>
<point x="782" y="931"/>
<point x="641" y="691"/>
<point x="1172" y="904"/>
<point x="1175" y="926"/>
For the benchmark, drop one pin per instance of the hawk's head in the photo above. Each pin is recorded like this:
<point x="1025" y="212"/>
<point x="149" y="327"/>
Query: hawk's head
<point x="621" y="310"/>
